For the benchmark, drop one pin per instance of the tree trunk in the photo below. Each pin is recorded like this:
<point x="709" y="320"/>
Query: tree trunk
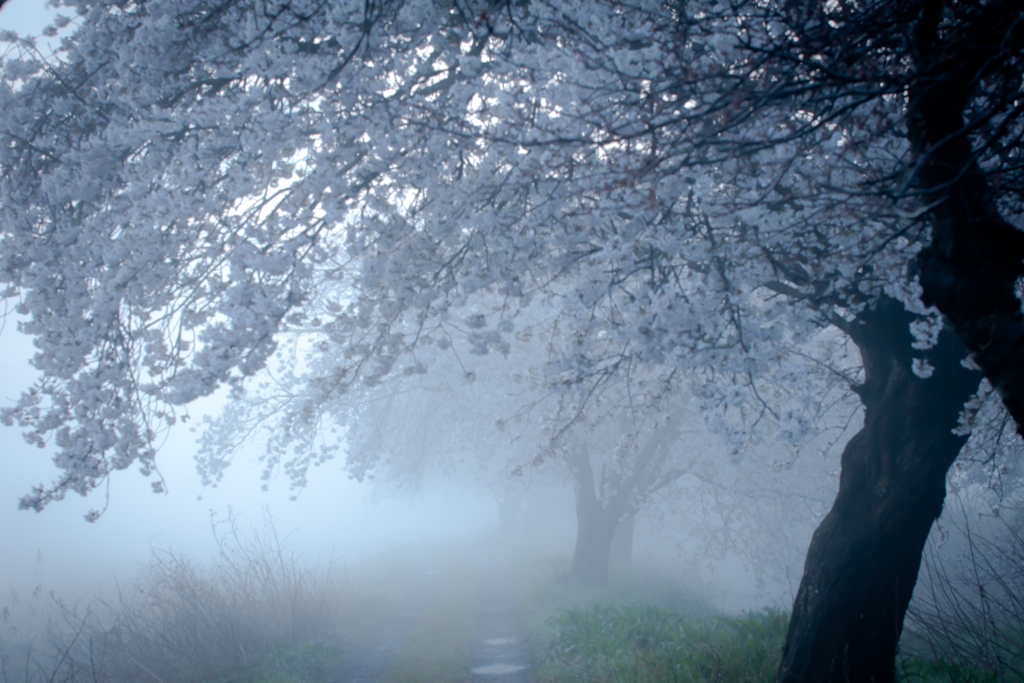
<point x="620" y="556"/>
<point x="863" y="560"/>
<point x="593" y="546"/>
<point x="599" y="522"/>
<point x="594" y="523"/>
<point x="971" y="268"/>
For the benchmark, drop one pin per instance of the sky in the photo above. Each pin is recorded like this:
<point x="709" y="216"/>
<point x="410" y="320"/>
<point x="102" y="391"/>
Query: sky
<point x="25" y="16"/>
<point x="58" y="549"/>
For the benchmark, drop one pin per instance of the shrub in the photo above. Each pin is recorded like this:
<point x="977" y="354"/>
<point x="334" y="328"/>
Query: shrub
<point x="242" y="618"/>
<point x="968" y="613"/>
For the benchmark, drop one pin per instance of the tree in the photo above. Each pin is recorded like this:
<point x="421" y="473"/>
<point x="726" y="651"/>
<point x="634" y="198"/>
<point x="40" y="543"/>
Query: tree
<point x="453" y="414"/>
<point x="620" y="454"/>
<point x="691" y="187"/>
<point x="490" y="421"/>
<point x="864" y="558"/>
<point x="947" y="76"/>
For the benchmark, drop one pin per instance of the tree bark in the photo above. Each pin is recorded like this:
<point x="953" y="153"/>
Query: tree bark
<point x="593" y="546"/>
<point x="598" y="520"/>
<point x="595" y="523"/>
<point x="620" y="555"/>
<point x="971" y="268"/>
<point x="863" y="560"/>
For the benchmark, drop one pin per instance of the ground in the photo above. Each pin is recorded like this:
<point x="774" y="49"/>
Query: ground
<point x="459" y="616"/>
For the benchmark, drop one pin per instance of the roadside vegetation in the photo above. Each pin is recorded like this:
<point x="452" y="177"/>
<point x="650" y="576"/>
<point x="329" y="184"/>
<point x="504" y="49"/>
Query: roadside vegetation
<point x="262" y="615"/>
<point x="968" y="615"/>
<point x="259" y="613"/>
<point x="644" y="643"/>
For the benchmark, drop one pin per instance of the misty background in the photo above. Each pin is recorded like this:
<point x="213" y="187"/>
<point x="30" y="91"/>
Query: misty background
<point x="333" y="516"/>
<point x="60" y="551"/>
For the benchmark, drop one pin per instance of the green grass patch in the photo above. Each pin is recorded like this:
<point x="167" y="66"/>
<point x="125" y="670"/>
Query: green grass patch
<point x="437" y="649"/>
<point x="643" y="643"/>
<point x="545" y="588"/>
<point x="919" y="670"/>
<point x="291" y="663"/>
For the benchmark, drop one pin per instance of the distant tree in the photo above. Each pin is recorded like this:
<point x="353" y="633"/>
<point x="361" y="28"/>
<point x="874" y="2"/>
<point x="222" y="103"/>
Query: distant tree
<point x="491" y="422"/>
<point x="618" y="463"/>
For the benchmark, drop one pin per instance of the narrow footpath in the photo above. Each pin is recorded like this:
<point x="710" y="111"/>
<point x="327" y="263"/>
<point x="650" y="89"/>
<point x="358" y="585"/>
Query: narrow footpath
<point x="457" y="620"/>
<point x="372" y="655"/>
<point x="499" y="650"/>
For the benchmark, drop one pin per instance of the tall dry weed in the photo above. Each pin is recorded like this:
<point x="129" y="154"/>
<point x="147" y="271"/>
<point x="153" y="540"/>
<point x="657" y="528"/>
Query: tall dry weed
<point x="968" y="610"/>
<point x="180" y="619"/>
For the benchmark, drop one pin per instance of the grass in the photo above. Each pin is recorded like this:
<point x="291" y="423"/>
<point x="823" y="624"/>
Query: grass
<point x="643" y="643"/>
<point x="261" y="616"/>
<point x="258" y="614"/>
<point x="436" y="650"/>
<point x="545" y="588"/>
<point x="302" y="663"/>
<point x="435" y="609"/>
<point x="919" y="670"/>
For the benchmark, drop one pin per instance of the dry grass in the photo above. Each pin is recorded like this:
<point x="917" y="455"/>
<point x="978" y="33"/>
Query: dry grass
<point x="969" y="610"/>
<point x="182" y="620"/>
<point x="261" y="615"/>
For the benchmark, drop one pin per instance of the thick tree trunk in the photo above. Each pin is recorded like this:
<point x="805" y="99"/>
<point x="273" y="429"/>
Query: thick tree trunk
<point x="620" y="556"/>
<point x="863" y="561"/>
<point x="972" y="266"/>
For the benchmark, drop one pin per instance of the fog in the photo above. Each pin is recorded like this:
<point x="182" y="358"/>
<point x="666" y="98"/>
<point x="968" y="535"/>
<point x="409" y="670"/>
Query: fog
<point x="473" y="514"/>
<point x="332" y="515"/>
<point x="60" y="551"/>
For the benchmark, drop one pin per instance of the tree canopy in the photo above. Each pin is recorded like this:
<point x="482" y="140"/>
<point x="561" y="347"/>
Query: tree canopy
<point x="691" y="186"/>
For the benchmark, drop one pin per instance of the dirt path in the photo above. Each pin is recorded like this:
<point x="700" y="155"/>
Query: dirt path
<point x="499" y="649"/>
<point x="457" y="621"/>
<point x="372" y="654"/>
